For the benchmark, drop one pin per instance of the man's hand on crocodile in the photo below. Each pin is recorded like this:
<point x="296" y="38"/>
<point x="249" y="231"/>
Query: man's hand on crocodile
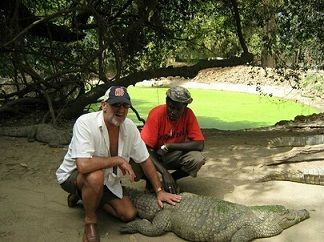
<point x="169" y="183"/>
<point x="170" y="198"/>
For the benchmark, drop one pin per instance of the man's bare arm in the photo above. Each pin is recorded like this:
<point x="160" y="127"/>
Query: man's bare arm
<point x="169" y="183"/>
<point x="87" y="165"/>
<point x="162" y="196"/>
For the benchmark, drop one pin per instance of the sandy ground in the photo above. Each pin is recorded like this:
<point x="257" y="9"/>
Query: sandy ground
<point x="33" y="206"/>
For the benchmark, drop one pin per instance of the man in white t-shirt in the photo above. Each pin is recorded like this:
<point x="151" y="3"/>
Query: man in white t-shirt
<point x="102" y="144"/>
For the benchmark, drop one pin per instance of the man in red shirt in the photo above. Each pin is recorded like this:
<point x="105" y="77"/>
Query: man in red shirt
<point x="174" y="138"/>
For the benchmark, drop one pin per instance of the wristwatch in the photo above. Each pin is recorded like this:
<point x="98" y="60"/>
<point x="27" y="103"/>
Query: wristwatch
<point x="159" y="189"/>
<point x="164" y="148"/>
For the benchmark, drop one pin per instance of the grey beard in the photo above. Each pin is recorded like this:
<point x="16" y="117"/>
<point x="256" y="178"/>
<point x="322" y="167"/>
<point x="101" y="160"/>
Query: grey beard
<point x="115" y="122"/>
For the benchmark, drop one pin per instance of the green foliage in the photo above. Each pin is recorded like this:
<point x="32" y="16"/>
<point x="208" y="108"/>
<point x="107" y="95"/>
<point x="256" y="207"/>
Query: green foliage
<point x="314" y="83"/>
<point x="56" y="51"/>
<point x="43" y="8"/>
<point x="300" y="33"/>
<point x="207" y="33"/>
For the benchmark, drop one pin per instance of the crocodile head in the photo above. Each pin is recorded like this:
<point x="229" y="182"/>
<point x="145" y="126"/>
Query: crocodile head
<point x="277" y="214"/>
<point x="289" y="217"/>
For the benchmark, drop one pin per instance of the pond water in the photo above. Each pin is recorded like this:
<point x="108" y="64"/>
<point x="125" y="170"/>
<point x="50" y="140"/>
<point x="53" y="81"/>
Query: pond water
<point x="223" y="109"/>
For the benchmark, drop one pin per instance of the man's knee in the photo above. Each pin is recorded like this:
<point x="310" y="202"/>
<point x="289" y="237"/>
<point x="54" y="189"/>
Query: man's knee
<point x="124" y="209"/>
<point x="128" y="215"/>
<point x="199" y="163"/>
<point x="94" y="179"/>
<point x="192" y="162"/>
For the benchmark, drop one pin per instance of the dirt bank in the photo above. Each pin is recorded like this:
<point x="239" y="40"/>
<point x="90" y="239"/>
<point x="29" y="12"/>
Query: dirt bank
<point x="254" y="80"/>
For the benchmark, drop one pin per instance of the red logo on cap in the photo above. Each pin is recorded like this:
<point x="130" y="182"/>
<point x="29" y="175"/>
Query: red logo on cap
<point x="119" y="92"/>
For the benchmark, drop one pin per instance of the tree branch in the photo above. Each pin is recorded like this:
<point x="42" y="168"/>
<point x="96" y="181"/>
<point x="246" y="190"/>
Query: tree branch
<point x="39" y="26"/>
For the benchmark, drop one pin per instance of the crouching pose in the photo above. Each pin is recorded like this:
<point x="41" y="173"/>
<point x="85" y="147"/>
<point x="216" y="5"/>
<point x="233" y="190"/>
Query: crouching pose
<point x="103" y="142"/>
<point x="174" y="138"/>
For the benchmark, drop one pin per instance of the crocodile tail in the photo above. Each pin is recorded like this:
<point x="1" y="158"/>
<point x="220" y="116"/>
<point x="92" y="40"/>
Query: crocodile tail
<point x="21" y="131"/>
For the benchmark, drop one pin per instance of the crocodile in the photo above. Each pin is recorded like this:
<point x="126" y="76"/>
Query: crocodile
<point x="203" y="218"/>
<point x="314" y="176"/>
<point x="44" y="133"/>
<point x="289" y="141"/>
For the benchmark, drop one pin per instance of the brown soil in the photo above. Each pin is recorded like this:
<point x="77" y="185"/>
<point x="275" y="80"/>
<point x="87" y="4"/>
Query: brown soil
<point x="33" y="206"/>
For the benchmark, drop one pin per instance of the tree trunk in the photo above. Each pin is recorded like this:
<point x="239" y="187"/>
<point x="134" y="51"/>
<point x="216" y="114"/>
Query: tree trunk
<point x="268" y="58"/>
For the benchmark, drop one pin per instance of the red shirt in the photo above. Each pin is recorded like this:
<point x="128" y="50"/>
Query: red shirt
<point x="159" y="129"/>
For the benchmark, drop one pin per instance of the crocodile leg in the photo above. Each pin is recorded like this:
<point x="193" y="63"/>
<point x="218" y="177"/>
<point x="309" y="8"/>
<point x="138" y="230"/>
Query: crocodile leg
<point x="31" y="136"/>
<point x="160" y="225"/>
<point x="244" y="234"/>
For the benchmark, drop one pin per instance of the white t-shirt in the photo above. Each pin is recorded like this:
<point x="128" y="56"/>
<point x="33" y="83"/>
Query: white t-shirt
<point x="90" y="138"/>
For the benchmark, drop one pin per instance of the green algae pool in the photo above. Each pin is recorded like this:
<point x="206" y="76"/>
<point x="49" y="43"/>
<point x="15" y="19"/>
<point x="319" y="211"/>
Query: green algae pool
<point x="222" y="109"/>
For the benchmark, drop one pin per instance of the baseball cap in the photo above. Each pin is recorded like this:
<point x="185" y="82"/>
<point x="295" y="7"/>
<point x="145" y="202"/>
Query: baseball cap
<point x="179" y="94"/>
<point x="117" y="94"/>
